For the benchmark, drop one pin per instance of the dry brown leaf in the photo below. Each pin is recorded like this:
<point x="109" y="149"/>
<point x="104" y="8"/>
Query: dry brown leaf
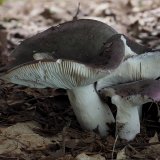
<point x="20" y="136"/>
<point x="153" y="151"/>
<point x="83" y="156"/>
<point x="155" y="147"/>
<point x="121" y="155"/>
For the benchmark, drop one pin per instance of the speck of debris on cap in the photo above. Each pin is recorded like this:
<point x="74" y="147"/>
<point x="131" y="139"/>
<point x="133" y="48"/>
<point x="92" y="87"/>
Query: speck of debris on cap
<point x="59" y="61"/>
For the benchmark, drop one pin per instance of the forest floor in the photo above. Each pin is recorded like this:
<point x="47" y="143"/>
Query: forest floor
<point x="39" y="124"/>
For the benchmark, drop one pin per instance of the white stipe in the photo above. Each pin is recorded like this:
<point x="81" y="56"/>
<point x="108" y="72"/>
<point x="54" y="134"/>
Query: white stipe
<point x="91" y="112"/>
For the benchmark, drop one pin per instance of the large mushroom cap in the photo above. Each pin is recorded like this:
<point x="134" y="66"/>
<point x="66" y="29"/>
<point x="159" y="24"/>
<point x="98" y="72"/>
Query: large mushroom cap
<point x="78" y="40"/>
<point x="68" y="55"/>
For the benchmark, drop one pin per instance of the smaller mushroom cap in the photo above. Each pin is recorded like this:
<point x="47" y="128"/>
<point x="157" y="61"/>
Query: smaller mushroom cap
<point x="79" y="40"/>
<point x="138" y="92"/>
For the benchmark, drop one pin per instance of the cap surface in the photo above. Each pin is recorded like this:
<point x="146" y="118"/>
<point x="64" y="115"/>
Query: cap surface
<point x="78" y="40"/>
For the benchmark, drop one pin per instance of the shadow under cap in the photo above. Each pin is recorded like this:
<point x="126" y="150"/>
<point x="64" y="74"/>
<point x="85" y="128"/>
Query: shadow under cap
<point x="78" y="40"/>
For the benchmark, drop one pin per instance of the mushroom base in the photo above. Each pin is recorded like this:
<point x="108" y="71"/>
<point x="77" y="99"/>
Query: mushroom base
<point x="91" y="112"/>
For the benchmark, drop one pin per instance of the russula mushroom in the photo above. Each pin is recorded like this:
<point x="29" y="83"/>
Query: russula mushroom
<point x="70" y="56"/>
<point x="138" y="67"/>
<point x="126" y="97"/>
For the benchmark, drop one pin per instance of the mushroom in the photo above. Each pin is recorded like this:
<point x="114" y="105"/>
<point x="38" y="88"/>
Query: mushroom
<point x="126" y="97"/>
<point x="138" y="67"/>
<point x="72" y="56"/>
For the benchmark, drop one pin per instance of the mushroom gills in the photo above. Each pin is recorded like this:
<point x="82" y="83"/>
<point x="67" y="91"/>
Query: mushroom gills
<point x="47" y="73"/>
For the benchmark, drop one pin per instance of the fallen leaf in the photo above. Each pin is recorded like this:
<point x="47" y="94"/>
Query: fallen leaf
<point x="20" y="136"/>
<point x="121" y="155"/>
<point x="83" y="156"/>
<point x="153" y="151"/>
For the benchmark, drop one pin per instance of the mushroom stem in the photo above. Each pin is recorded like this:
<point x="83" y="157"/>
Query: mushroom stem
<point x="127" y="118"/>
<point x="90" y="111"/>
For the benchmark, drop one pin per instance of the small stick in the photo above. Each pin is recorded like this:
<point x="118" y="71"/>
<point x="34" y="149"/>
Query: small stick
<point x="137" y="145"/>
<point x="76" y="15"/>
<point x="114" y="145"/>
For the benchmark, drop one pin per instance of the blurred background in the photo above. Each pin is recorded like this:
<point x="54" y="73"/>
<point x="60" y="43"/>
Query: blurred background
<point x="139" y="19"/>
<point x="20" y="19"/>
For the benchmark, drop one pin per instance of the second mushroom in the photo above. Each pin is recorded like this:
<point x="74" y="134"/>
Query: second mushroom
<point x="133" y="68"/>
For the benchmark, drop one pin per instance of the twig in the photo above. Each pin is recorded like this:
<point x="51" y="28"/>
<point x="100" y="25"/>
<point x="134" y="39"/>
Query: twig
<point x="76" y="15"/>
<point x="64" y="137"/>
<point x="6" y="157"/>
<point x="135" y="145"/>
<point x="114" y="145"/>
